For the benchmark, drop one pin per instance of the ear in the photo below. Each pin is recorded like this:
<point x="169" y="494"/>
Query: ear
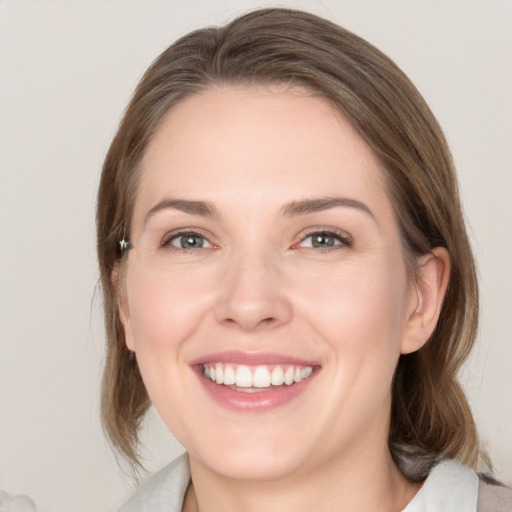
<point x="123" y="306"/>
<point x="426" y="298"/>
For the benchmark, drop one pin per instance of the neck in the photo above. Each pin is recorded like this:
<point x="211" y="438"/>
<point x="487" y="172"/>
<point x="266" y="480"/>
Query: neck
<point x="343" y="485"/>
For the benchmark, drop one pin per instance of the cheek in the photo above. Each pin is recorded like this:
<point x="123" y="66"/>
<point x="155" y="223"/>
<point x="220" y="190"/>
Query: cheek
<point x="359" y="297"/>
<point x="360" y="313"/>
<point x="165" y="308"/>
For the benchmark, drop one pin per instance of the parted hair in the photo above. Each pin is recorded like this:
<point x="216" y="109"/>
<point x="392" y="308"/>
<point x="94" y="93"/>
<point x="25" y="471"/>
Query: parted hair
<point x="430" y="415"/>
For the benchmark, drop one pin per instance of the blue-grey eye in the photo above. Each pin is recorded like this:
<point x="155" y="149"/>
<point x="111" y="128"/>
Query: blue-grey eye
<point x="325" y="240"/>
<point x="189" y="241"/>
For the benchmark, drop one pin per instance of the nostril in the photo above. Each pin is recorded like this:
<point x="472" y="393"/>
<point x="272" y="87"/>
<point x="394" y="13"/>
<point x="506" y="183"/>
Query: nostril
<point x="250" y="324"/>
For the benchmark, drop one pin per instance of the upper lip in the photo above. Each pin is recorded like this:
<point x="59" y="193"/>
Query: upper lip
<point x="251" y="359"/>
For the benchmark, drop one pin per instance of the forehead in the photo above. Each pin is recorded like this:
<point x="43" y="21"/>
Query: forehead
<point x="256" y="144"/>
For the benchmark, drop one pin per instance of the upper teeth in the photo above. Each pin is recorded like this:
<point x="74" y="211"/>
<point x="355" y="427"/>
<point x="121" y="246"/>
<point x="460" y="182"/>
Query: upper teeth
<point x="255" y="376"/>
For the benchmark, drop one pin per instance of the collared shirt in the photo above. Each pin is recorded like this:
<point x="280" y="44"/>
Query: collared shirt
<point x="450" y="487"/>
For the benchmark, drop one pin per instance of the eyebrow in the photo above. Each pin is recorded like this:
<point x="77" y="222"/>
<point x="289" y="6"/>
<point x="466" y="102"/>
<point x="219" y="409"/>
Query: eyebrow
<point x="293" y="209"/>
<point x="201" y="208"/>
<point x="307" y="206"/>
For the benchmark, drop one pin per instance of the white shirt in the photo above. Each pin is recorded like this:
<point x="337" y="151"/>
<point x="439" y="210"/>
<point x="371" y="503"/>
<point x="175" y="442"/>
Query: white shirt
<point x="450" y="487"/>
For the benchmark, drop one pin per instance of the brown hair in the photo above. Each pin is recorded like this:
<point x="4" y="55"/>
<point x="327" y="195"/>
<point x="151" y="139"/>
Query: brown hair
<point x="430" y="417"/>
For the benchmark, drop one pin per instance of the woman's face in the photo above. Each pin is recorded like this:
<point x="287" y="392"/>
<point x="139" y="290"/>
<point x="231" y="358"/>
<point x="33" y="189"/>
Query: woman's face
<point x="267" y="257"/>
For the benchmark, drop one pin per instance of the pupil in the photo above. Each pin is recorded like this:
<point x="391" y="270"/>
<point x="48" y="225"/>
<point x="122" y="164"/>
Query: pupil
<point x="191" y="242"/>
<point x="323" y="241"/>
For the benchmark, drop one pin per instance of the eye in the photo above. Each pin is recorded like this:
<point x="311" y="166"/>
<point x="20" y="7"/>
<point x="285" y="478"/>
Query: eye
<point x="325" y="240"/>
<point x="188" y="240"/>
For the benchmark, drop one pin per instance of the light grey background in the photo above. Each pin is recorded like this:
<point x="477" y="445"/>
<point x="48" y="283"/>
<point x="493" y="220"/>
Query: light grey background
<point x="67" y="71"/>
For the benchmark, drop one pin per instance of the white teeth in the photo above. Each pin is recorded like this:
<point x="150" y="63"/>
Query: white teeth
<point x="219" y="374"/>
<point x="288" y="376"/>
<point x="243" y="377"/>
<point x="261" y="377"/>
<point x="277" y="378"/>
<point x="229" y="376"/>
<point x="306" y="372"/>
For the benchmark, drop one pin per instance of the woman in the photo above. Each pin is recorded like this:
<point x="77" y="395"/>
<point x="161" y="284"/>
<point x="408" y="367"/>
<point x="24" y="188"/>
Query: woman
<point x="287" y="278"/>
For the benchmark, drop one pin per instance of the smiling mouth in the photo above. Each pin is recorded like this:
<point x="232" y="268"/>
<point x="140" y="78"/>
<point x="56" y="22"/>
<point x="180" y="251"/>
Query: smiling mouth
<point x="251" y="379"/>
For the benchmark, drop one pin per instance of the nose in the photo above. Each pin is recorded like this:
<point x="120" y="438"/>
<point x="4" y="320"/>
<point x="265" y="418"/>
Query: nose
<point x="253" y="296"/>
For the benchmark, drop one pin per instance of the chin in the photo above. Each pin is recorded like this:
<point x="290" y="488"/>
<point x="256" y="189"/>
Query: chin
<point x="257" y="462"/>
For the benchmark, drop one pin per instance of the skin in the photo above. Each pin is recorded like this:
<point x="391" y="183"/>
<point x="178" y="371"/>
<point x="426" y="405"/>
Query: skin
<point x="259" y="285"/>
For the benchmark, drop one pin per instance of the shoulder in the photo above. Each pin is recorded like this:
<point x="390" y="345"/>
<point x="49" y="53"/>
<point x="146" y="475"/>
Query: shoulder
<point x="494" y="498"/>
<point x="164" y="491"/>
<point x="452" y="487"/>
<point x="449" y="487"/>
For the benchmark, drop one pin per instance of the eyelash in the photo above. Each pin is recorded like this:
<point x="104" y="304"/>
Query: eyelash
<point x="338" y="236"/>
<point x="167" y="241"/>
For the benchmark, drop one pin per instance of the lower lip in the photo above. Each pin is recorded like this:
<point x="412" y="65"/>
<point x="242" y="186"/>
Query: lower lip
<point x="272" y="398"/>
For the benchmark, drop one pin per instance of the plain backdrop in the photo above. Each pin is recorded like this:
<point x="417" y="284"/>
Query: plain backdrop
<point x="67" y="70"/>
